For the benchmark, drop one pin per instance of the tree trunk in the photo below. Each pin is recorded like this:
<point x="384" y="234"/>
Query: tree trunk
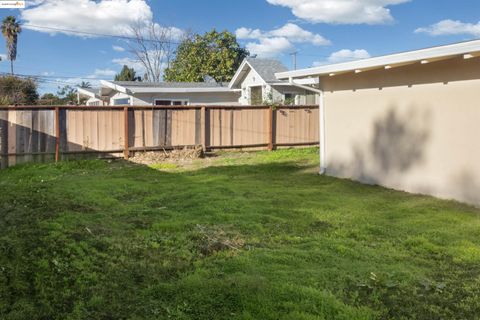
<point x="11" y="66"/>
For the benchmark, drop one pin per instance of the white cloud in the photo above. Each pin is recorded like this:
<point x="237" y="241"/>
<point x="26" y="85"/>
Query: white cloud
<point x="296" y="34"/>
<point x="110" y="17"/>
<point x="269" y="47"/>
<point x="131" y="63"/>
<point x="118" y="48"/>
<point x="451" y="27"/>
<point x="343" y="56"/>
<point x="3" y="56"/>
<point x="102" y="73"/>
<point x="277" y="41"/>
<point x="341" y="11"/>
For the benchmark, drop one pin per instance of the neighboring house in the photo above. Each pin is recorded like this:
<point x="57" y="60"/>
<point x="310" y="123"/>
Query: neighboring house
<point x="254" y="83"/>
<point x="258" y="84"/>
<point x="408" y="121"/>
<point x="91" y="95"/>
<point x="129" y="93"/>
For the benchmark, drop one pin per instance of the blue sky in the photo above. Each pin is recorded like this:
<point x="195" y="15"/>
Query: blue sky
<point x="322" y="31"/>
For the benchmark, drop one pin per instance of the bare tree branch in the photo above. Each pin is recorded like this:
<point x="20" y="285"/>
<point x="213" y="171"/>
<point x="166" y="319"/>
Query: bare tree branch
<point x="153" y="47"/>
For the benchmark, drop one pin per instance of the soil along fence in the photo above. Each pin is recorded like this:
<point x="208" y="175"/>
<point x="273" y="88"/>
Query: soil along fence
<point x="44" y="133"/>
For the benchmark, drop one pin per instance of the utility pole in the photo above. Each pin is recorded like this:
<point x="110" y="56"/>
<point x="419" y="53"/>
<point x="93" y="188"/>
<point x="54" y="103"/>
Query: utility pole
<point x="294" y="59"/>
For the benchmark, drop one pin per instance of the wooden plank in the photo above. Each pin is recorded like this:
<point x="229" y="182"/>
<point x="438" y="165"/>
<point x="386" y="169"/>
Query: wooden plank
<point x="35" y="133"/>
<point x="270" y="129"/>
<point x="20" y="132"/>
<point x="42" y="137"/>
<point x="117" y="134"/>
<point x="232" y="126"/>
<point x="57" y="134"/>
<point x="156" y="127"/>
<point x="168" y="136"/>
<point x="102" y="130"/>
<point x="162" y="127"/>
<point x="126" y="152"/>
<point x="27" y="124"/>
<point x="12" y="146"/>
<point x="3" y="138"/>
<point x="63" y="130"/>
<point x="131" y="127"/>
<point x="198" y="127"/>
<point x="206" y="133"/>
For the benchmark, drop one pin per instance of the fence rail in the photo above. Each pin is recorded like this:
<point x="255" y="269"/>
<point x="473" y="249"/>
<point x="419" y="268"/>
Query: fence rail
<point x="39" y="133"/>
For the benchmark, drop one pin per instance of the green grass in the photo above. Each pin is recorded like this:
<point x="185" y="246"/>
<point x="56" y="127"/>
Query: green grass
<point x="248" y="236"/>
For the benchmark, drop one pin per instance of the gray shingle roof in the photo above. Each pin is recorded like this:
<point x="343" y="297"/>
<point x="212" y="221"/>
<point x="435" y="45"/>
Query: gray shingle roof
<point x="267" y="68"/>
<point x="171" y="84"/>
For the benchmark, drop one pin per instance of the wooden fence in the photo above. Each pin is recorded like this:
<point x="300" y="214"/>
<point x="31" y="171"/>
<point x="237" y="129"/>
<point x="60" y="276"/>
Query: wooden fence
<point x="40" y="133"/>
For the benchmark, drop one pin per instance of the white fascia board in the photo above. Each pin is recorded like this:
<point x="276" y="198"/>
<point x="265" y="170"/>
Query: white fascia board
<point x="308" y="81"/>
<point x="177" y="90"/>
<point x="238" y="73"/>
<point x="388" y="60"/>
<point x="114" y="86"/>
<point x="86" y="93"/>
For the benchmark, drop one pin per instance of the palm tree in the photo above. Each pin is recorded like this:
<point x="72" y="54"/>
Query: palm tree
<point x="10" y="30"/>
<point x="85" y="84"/>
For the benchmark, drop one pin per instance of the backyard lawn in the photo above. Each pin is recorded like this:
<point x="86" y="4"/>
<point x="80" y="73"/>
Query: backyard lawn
<point x="238" y="236"/>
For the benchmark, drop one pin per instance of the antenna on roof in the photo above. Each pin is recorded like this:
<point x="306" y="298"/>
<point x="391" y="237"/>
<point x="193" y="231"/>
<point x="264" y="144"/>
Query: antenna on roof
<point x="253" y="56"/>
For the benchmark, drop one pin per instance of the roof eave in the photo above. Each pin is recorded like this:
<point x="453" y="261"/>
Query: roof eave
<point x="178" y="90"/>
<point x="87" y="93"/>
<point x="437" y="53"/>
<point x="238" y="73"/>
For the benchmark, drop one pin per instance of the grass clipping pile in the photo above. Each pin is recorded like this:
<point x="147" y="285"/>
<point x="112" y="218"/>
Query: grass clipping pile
<point x="212" y="239"/>
<point x="176" y="155"/>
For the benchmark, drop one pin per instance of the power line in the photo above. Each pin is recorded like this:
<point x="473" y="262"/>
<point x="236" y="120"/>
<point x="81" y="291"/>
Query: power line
<point x="97" y="34"/>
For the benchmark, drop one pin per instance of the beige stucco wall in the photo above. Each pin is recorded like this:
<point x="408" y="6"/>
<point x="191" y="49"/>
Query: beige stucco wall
<point x="414" y="128"/>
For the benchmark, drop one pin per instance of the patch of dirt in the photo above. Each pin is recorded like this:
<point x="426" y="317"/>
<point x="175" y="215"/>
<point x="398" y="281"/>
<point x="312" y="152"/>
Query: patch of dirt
<point x="212" y="239"/>
<point x="176" y="155"/>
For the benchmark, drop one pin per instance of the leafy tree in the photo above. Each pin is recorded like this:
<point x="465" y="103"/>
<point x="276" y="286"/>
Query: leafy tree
<point x="85" y="84"/>
<point x="10" y="30"/>
<point x="215" y="54"/>
<point x="127" y="74"/>
<point x="50" y="99"/>
<point x="14" y="91"/>
<point x="67" y="94"/>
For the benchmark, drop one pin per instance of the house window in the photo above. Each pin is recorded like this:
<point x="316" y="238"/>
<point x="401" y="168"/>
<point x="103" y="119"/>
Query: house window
<point x="290" y="98"/>
<point x="310" y="99"/>
<point x="171" y="102"/>
<point x="121" y="102"/>
<point x="94" y="103"/>
<point x="256" y="95"/>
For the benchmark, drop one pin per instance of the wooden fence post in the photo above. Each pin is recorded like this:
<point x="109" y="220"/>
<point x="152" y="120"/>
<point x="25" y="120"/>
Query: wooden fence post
<point x="57" y="134"/>
<point x="203" y="128"/>
<point x="4" y="138"/>
<point x="270" y="128"/>
<point x="126" y="151"/>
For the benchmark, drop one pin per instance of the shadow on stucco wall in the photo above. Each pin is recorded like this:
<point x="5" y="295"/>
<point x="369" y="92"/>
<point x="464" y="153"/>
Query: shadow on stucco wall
<point x="397" y="144"/>
<point x="467" y="187"/>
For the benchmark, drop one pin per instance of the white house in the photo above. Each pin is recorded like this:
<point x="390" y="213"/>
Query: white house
<point x="253" y="83"/>
<point x="92" y="95"/>
<point x="258" y="84"/>
<point x="129" y="93"/>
